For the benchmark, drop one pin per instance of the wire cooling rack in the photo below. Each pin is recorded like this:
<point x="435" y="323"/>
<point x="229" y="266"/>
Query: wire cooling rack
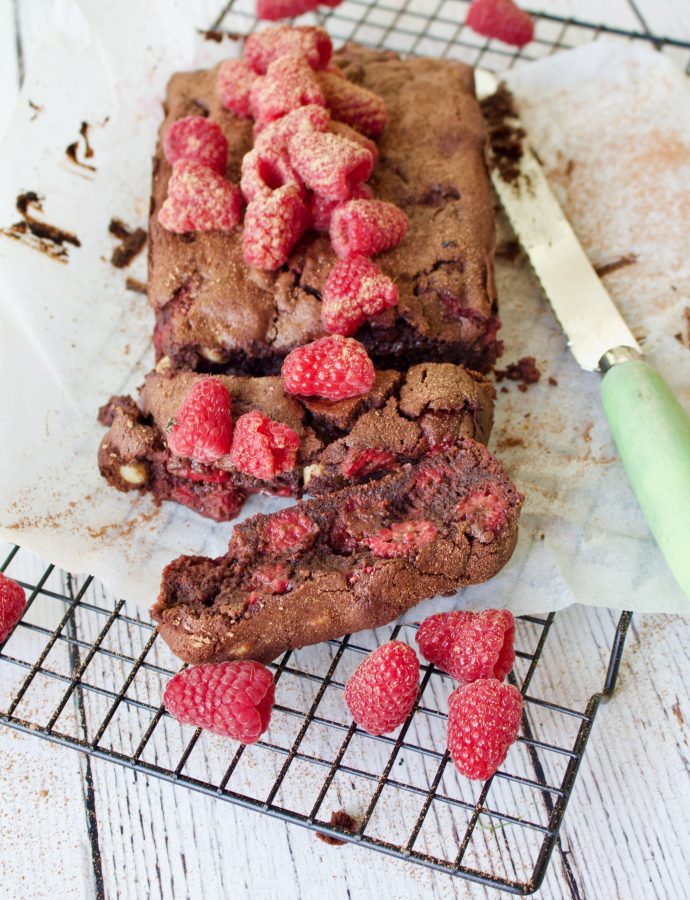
<point x="84" y="670"/>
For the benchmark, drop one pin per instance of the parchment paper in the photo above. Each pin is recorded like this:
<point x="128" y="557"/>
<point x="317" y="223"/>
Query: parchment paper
<point x="610" y="122"/>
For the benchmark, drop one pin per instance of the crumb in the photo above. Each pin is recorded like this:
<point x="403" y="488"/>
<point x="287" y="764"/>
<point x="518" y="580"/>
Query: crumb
<point x="131" y="243"/>
<point x="606" y="268"/>
<point x="522" y="388"/>
<point x="683" y="336"/>
<point x="505" y="139"/>
<point x="541" y="536"/>
<point x="552" y="381"/>
<point x="43" y="793"/>
<point x="504" y="390"/>
<point x="133" y="284"/>
<point x="339" y="819"/>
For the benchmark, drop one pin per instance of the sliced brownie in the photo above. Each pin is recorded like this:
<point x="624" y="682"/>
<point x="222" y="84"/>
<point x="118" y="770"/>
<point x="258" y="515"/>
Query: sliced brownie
<point x="350" y="560"/>
<point x="214" y="313"/>
<point x="402" y="418"/>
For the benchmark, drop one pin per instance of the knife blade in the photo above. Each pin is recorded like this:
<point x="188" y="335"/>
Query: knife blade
<point x="650" y="427"/>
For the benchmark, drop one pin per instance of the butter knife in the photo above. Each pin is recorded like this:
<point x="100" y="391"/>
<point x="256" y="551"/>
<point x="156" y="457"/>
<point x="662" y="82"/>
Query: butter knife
<point x="650" y="427"/>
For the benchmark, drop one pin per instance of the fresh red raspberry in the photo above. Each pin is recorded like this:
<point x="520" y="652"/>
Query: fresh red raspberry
<point x="289" y="531"/>
<point x="363" y="462"/>
<point x="234" y="84"/>
<point x="484" y="510"/>
<point x="271" y="578"/>
<point x="329" y="164"/>
<point x="196" y="472"/>
<point x="352" y="104"/>
<point x="283" y="9"/>
<point x="199" y="199"/>
<point x="382" y="690"/>
<point x="263" y="448"/>
<point x="402" y="538"/>
<point x="367" y="227"/>
<point x="483" y="722"/>
<point x="12" y="605"/>
<point x="263" y="47"/>
<point x="469" y="645"/>
<point x="276" y="134"/>
<point x="265" y="170"/>
<point x="333" y="367"/>
<point x="352" y="134"/>
<point x="202" y="429"/>
<point x="199" y="140"/>
<point x="272" y="226"/>
<point x="355" y="290"/>
<point x="234" y="699"/>
<point x="288" y="84"/>
<point x="501" y="19"/>
<point x="221" y="504"/>
<point x="321" y="209"/>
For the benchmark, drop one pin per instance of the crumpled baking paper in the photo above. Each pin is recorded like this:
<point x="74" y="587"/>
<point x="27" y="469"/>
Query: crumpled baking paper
<point x="612" y="126"/>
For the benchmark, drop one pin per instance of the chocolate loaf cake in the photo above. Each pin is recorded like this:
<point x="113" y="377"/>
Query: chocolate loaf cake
<point x="215" y="314"/>
<point x="401" y="419"/>
<point x="353" y="559"/>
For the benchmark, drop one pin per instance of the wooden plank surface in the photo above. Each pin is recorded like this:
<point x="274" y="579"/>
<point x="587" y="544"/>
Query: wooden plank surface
<point x="626" y="831"/>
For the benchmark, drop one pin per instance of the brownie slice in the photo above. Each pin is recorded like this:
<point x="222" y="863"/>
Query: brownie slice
<point x="350" y="560"/>
<point x="215" y="314"/>
<point x="403" y="417"/>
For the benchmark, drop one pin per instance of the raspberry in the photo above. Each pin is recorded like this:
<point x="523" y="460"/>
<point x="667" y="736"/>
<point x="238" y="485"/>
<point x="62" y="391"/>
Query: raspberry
<point x="221" y="505"/>
<point x="234" y="699"/>
<point x="469" y="645"/>
<point x="12" y="605"/>
<point x="234" y="84"/>
<point x="263" y="47"/>
<point x="283" y="9"/>
<point x="382" y="690"/>
<point x="355" y="289"/>
<point x="483" y="721"/>
<point x="288" y="84"/>
<point x="485" y="512"/>
<point x="264" y="171"/>
<point x="263" y="448"/>
<point x="271" y="578"/>
<point x="277" y="134"/>
<point x="329" y="164"/>
<point x="202" y="429"/>
<point x="321" y="208"/>
<point x="430" y="476"/>
<point x="367" y="227"/>
<point x="196" y="472"/>
<point x="199" y="199"/>
<point x="272" y="226"/>
<point x="364" y="462"/>
<point x="289" y="531"/>
<point x="352" y="104"/>
<point x="352" y="134"/>
<point x="402" y="538"/>
<point x="199" y="140"/>
<point x="333" y="367"/>
<point x="501" y="19"/>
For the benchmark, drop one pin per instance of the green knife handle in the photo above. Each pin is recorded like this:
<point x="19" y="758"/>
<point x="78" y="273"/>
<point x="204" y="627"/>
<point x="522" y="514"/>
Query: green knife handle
<point x="652" y="433"/>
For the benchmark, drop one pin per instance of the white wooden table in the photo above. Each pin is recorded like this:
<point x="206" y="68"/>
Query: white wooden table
<point x="627" y="830"/>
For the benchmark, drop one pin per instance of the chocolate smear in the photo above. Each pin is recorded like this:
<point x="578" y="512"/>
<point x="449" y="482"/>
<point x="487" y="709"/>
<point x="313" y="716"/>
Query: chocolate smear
<point x="505" y="137"/>
<point x="72" y="150"/>
<point x="131" y="243"/>
<point x="42" y="236"/>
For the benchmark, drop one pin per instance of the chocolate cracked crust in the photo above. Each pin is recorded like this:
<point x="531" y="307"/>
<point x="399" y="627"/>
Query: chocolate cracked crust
<point x="326" y="580"/>
<point x="398" y="421"/>
<point x="213" y="313"/>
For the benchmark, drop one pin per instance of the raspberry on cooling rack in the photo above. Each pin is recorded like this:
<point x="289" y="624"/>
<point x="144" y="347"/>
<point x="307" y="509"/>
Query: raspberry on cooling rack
<point x="197" y="139"/>
<point x="329" y="164"/>
<point x="332" y="367"/>
<point x="353" y="104"/>
<point x="263" y="47"/>
<point x="469" y="645"/>
<point x="483" y="722"/>
<point x="199" y="199"/>
<point x="12" y="605"/>
<point x="234" y="84"/>
<point x="233" y="699"/>
<point x="272" y="225"/>
<point x="263" y="448"/>
<point x="367" y="227"/>
<point x="382" y="690"/>
<point x="355" y="290"/>
<point x="202" y="429"/>
<point x="501" y="19"/>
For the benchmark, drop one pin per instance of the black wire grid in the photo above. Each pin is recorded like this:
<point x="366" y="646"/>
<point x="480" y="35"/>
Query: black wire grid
<point x="87" y="672"/>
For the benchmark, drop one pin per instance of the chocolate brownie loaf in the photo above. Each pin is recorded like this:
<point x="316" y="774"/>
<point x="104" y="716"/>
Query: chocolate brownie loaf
<point x="398" y="421"/>
<point x="215" y="314"/>
<point x="353" y="559"/>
